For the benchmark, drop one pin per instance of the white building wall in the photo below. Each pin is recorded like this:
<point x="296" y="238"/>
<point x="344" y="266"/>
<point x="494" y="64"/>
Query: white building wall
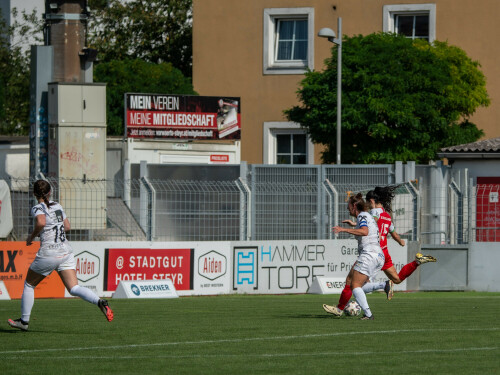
<point x="479" y="167"/>
<point x="14" y="161"/>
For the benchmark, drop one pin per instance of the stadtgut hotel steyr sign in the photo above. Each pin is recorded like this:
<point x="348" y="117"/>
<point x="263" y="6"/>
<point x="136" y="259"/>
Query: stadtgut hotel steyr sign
<point x="182" y="116"/>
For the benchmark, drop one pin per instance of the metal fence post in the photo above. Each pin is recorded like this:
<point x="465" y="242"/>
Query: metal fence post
<point x="245" y="210"/>
<point x="126" y="183"/>
<point x="460" y="207"/>
<point x="416" y="205"/>
<point x="332" y="207"/>
<point x="470" y="209"/>
<point x="150" y="206"/>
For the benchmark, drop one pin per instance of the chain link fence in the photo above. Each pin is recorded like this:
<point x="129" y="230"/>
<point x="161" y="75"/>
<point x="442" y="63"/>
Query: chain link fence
<point x="271" y="203"/>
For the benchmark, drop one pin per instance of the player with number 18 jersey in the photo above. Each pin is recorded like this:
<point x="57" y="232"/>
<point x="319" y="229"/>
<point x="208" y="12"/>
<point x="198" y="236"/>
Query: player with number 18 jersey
<point x="52" y="237"/>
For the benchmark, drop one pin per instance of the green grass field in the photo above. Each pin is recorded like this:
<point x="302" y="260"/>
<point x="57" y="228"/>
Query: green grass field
<point x="415" y="333"/>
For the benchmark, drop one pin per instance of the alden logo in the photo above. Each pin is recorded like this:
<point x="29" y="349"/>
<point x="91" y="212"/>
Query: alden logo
<point x="212" y="265"/>
<point x="87" y="266"/>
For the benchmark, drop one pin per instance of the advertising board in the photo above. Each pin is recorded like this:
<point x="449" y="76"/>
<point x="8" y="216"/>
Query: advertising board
<point x="165" y="116"/>
<point x="277" y="267"/>
<point x="15" y="259"/>
<point x="146" y="289"/>
<point x="125" y="264"/>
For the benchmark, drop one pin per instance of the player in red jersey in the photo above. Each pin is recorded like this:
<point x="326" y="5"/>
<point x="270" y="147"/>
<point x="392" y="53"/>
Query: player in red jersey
<point x="380" y="200"/>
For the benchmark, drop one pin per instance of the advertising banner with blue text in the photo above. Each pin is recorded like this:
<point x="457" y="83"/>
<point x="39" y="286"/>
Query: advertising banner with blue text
<point x="276" y="267"/>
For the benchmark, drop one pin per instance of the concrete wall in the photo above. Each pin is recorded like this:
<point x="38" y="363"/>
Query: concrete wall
<point x="472" y="267"/>
<point x="484" y="258"/>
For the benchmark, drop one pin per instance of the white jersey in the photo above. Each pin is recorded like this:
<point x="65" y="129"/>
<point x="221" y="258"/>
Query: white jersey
<point x="376" y="212"/>
<point x="52" y="237"/>
<point x="369" y="243"/>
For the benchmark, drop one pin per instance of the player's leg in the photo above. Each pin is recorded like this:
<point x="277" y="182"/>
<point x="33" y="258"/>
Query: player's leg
<point x="346" y="293"/>
<point x="409" y="268"/>
<point x="67" y="273"/>
<point x="392" y="274"/>
<point x="358" y="280"/>
<point x="70" y="281"/>
<point x="345" y="296"/>
<point x="27" y="300"/>
<point x="387" y="286"/>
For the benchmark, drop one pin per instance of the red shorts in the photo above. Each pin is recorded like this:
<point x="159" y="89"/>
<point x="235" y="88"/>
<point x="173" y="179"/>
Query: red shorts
<point x="388" y="260"/>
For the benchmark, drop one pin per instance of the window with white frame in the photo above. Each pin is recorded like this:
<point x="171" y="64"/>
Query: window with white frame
<point x="291" y="148"/>
<point x="288" y="40"/>
<point x="415" y="21"/>
<point x="287" y="143"/>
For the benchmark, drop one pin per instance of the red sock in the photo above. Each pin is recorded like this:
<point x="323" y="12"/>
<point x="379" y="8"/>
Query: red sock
<point x="407" y="270"/>
<point x="345" y="296"/>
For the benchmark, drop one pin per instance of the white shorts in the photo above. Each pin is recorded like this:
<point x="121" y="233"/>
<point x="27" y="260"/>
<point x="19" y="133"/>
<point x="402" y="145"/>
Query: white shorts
<point x="369" y="263"/>
<point x="45" y="265"/>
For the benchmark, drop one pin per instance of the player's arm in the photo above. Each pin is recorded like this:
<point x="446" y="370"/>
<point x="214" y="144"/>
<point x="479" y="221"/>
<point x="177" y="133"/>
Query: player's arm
<point x="363" y="231"/>
<point x="67" y="225"/>
<point x="39" y="225"/>
<point x="397" y="238"/>
<point x="350" y="222"/>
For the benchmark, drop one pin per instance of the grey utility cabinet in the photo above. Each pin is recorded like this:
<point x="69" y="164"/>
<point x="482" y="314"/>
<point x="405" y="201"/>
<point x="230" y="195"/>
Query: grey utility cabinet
<point x="77" y="150"/>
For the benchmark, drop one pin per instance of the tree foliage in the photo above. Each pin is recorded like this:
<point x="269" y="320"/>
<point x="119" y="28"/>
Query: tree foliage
<point x="152" y="30"/>
<point x="15" y="71"/>
<point x="136" y="76"/>
<point x="401" y="99"/>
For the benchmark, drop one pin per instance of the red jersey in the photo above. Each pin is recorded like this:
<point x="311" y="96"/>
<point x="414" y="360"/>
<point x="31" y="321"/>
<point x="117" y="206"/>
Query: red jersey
<point x="385" y="226"/>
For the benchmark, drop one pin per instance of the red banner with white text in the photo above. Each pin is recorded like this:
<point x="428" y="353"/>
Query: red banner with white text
<point x="148" y="264"/>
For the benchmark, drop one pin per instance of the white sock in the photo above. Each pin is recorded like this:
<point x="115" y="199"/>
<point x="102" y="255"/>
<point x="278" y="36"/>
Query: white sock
<point x="85" y="294"/>
<point x="361" y="299"/>
<point x="27" y="301"/>
<point x="370" y="287"/>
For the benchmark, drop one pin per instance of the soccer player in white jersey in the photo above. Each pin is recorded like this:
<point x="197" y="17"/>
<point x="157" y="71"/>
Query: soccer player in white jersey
<point x="55" y="253"/>
<point x="380" y="202"/>
<point x="370" y="259"/>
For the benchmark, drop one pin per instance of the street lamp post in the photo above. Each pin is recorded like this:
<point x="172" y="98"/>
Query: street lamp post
<point x="330" y="35"/>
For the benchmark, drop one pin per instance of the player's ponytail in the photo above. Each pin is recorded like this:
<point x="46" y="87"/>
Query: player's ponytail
<point x="358" y="202"/>
<point x="41" y="189"/>
<point x="385" y="196"/>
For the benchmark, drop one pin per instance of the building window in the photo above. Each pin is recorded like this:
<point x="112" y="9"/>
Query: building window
<point x="291" y="39"/>
<point x="413" y="26"/>
<point x="288" y="40"/>
<point x="291" y="149"/>
<point x="286" y="143"/>
<point x="415" y="21"/>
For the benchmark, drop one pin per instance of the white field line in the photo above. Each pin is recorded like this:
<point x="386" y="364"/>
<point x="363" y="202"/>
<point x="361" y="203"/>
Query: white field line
<point x="270" y="355"/>
<point x="238" y="340"/>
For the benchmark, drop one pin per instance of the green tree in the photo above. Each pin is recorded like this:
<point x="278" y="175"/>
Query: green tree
<point x="152" y="30"/>
<point x="15" y="71"/>
<point x="401" y="100"/>
<point x="137" y="76"/>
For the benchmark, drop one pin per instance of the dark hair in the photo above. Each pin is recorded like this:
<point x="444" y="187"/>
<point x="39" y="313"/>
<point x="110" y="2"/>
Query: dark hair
<point x="358" y="202"/>
<point x="383" y="195"/>
<point x="41" y="189"/>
